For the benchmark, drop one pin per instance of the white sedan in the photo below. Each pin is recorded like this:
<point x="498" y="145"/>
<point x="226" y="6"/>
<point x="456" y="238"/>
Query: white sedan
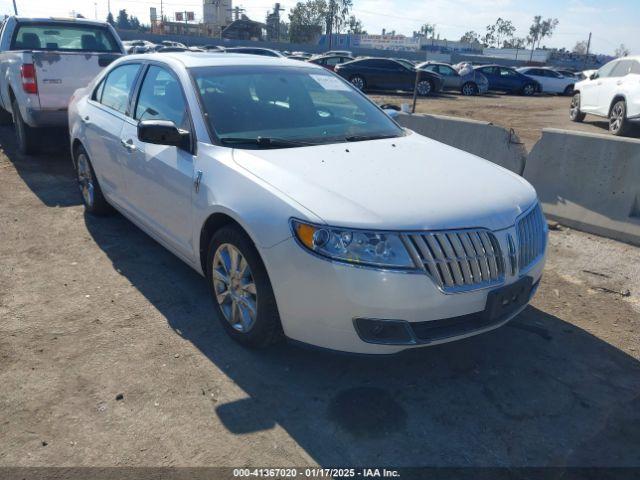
<point x="311" y="213"/>
<point x="550" y="80"/>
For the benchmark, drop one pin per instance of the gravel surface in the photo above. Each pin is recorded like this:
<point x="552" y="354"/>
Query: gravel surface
<point x="110" y="355"/>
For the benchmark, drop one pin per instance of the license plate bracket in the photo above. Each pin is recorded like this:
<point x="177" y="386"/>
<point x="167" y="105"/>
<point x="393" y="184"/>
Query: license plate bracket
<point x="506" y="300"/>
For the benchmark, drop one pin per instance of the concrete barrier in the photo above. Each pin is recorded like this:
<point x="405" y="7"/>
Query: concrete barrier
<point x="589" y="182"/>
<point x="489" y="141"/>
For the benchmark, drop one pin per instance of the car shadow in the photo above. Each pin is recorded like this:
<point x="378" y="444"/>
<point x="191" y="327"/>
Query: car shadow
<point x="49" y="174"/>
<point x="539" y="391"/>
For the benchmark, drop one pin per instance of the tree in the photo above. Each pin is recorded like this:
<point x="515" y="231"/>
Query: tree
<point x="515" y="42"/>
<point x="134" y="23"/>
<point x="337" y="15"/>
<point x="499" y="32"/>
<point x="354" y="26"/>
<point x="540" y="29"/>
<point x="428" y="29"/>
<point x="580" y="48"/>
<point x="621" y="51"/>
<point x="470" y="37"/>
<point x="123" y="20"/>
<point x="306" y="21"/>
<point x="110" y="19"/>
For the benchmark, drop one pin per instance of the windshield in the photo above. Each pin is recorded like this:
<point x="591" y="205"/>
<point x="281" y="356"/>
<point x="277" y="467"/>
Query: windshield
<point x="300" y="105"/>
<point x="60" y="36"/>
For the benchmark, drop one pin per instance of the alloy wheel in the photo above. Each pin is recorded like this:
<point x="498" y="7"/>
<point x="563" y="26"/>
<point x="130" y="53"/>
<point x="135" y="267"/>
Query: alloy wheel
<point x="424" y="87"/>
<point x="617" y="117"/>
<point x="528" y="89"/>
<point x="574" y="109"/>
<point x="468" y="89"/>
<point x="358" y="82"/>
<point x="234" y="287"/>
<point x="85" y="180"/>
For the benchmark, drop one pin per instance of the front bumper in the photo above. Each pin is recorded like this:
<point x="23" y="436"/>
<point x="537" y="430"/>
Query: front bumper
<point x="319" y="300"/>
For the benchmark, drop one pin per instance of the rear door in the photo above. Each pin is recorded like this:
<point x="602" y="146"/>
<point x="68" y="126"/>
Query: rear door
<point x="103" y="118"/>
<point x="67" y="55"/>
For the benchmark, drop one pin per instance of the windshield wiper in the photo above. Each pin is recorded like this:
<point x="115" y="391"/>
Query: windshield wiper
<point x="363" y="138"/>
<point x="265" y="142"/>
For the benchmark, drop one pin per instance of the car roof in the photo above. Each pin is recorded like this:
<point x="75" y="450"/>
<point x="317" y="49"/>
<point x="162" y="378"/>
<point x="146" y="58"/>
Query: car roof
<point x="82" y="21"/>
<point x="218" y="59"/>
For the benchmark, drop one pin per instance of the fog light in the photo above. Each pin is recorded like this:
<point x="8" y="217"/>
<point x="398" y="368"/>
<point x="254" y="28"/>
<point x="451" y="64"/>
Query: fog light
<point x="388" y="332"/>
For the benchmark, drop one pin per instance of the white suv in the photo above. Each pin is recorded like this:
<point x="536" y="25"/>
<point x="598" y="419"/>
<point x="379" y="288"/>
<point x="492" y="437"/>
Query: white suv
<point x="613" y="92"/>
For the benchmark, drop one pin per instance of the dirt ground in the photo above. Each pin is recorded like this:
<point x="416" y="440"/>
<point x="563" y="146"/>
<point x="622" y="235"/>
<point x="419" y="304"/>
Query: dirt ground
<point x="110" y="355"/>
<point x="526" y="115"/>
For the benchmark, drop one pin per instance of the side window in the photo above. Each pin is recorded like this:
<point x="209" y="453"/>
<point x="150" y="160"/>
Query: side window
<point x="447" y="71"/>
<point x="605" y="71"/>
<point x="621" y="69"/>
<point x="161" y="98"/>
<point x="635" y="67"/>
<point x="114" y="90"/>
<point x="505" y="72"/>
<point x="332" y="61"/>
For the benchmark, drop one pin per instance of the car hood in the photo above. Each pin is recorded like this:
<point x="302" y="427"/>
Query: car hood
<point x="406" y="183"/>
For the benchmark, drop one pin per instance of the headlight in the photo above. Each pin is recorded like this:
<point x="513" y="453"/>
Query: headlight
<point x="369" y="248"/>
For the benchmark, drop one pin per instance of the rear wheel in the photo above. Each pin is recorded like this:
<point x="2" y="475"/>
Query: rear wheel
<point x="25" y="134"/>
<point x="358" y="82"/>
<point x="618" y="124"/>
<point x="425" y="87"/>
<point x="469" y="88"/>
<point x="241" y="289"/>
<point x="5" y="117"/>
<point x="529" y="89"/>
<point x="92" y="197"/>
<point x="574" y="110"/>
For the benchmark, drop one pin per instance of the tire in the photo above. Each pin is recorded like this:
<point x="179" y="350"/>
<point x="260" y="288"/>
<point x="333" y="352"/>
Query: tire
<point x="618" y="123"/>
<point x="568" y="91"/>
<point x="26" y="135"/>
<point x="574" y="110"/>
<point x="358" y="82"/>
<point x="92" y="197"/>
<point x="236" y="295"/>
<point x="425" y="88"/>
<point x="528" y="90"/>
<point x="469" y="89"/>
<point x="5" y="117"/>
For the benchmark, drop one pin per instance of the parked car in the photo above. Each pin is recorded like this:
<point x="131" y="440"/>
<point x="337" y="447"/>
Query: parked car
<point x="311" y="213"/>
<point x="461" y="78"/>
<point x="567" y="73"/>
<point x="612" y="92"/>
<point x="506" y="79"/>
<point x="138" y="46"/>
<point x="372" y="73"/>
<point x="297" y="57"/>
<point x="265" y="52"/>
<point x="330" y="61"/>
<point x="341" y="53"/>
<point x="212" y="48"/>
<point x="550" y="81"/>
<point x="42" y="62"/>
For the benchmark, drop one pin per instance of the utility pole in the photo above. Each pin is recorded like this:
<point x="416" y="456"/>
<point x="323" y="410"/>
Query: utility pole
<point x="586" y="57"/>
<point x="15" y="9"/>
<point x="95" y="10"/>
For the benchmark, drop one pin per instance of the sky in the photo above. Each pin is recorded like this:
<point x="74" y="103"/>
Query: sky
<point x="611" y="22"/>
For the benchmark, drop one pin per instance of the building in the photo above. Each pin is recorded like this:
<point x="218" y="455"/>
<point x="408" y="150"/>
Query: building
<point x="217" y="14"/>
<point x="244" y="29"/>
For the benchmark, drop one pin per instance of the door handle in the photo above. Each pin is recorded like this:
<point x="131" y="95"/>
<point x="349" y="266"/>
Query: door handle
<point x="619" y="82"/>
<point x="85" y="119"/>
<point x="128" y="144"/>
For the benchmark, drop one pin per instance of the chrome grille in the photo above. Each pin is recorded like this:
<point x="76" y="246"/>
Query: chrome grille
<point x="531" y="228"/>
<point x="458" y="260"/>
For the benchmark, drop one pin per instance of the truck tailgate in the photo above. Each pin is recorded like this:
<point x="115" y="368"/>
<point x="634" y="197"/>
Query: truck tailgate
<point x="59" y="74"/>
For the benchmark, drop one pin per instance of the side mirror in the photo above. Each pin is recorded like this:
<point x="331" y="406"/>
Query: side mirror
<point x="593" y="76"/>
<point x="164" y="132"/>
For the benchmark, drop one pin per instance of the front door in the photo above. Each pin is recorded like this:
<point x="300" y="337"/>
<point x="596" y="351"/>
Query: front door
<point x="160" y="177"/>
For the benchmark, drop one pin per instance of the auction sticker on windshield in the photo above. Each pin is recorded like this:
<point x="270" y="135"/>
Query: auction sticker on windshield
<point x="330" y="83"/>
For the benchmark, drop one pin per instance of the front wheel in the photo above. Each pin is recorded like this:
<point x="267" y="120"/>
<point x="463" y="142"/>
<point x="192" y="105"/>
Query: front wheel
<point x="618" y="124"/>
<point x="574" y="110"/>
<point x="25" y="134"/>
<point x="425" y="87"/>
<point x="528" y="90"/>
<point x="469" y="88"/>
<point x="241" y="289"/>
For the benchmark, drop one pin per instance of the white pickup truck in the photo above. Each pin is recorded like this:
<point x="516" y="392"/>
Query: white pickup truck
<point x="42" y="62"/>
